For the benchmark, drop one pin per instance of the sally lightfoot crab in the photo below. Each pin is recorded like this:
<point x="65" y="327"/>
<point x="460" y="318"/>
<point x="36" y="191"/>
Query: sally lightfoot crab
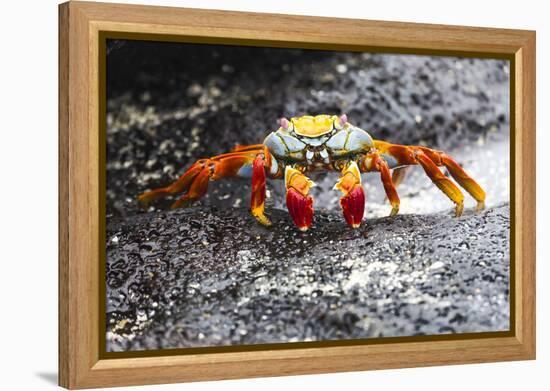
<point x="316" y="143"/>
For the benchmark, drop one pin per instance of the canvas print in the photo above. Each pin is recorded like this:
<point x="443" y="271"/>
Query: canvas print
<point x="260" y="195"/>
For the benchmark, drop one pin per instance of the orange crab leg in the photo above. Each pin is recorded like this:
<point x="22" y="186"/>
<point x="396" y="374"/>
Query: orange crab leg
<point x="298" y="200"/>
<point x="441" y="181"/>
<point x="257" y="199"/>
<point x="458" y="174"/>
<point x="467" y="182"/>
<point x="183" y="183"/>
<point x="227" y="165"/>
<point x="375" y="163"/>
<point x="429" y="159"/>
<point x="197" y="189"/>
<point x="195" y="180"/>
<point x="353" y="199"/>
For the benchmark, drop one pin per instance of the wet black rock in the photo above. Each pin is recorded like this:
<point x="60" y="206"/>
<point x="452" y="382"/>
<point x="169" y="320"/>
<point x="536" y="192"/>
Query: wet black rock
<point x="207" y="276"/>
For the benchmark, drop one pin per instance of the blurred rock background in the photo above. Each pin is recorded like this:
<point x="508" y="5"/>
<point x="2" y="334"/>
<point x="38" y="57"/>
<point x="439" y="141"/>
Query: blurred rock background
<point x="176" y="279"/>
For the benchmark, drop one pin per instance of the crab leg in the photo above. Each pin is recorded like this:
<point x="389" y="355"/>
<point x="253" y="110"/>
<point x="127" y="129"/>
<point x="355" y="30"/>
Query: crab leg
<point x="441" y="181"/>
<point x="373" y="162"/>
<point x="221" y="166"/>
<point x="298" y="200"/>
<point x="257" y="199"/>
<point x="195" y="180"/>
<point x="429" y="159"/>
<point x="353" y="199"/>
<point x="458" y="174"/>
<point x="182" y="184"/>
<point x="467" y="182"/>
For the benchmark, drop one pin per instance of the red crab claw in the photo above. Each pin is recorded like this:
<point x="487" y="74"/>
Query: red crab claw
<point x="353" y="200"/>
<point x="353" y="206"/>
<point x="298" y="201"/>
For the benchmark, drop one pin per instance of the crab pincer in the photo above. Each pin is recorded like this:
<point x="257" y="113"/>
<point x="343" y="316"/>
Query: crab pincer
<point x="298" y="201"/>
<point x="353" y="199"/>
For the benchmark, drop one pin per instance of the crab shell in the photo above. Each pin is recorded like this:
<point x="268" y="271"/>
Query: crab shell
<point x="311" y="143"/>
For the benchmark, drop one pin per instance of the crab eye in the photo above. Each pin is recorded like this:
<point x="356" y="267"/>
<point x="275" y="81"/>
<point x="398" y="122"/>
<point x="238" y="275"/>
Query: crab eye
<point x="283" y="122"/>
<point x="341" y="121"/>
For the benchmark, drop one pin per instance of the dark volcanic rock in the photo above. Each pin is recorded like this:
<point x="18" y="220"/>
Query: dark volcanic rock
<point x="207" y="276"/>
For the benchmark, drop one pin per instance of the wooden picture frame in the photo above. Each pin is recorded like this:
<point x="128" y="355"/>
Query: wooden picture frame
<point x="81" y="243"/>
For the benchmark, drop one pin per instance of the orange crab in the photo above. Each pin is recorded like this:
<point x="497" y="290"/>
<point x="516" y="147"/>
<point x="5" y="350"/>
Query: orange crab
<point x="313" y="143"/>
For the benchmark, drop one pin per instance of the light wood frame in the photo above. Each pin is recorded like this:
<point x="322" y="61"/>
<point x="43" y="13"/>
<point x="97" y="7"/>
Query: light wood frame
<point x="80" y="241"/>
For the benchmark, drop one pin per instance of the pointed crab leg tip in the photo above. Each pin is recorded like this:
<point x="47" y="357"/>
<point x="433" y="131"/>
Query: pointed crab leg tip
<point x="303" y="229"/>
<point x="262" y="219"/>
<point x="459" y="209"/>
<point x="354" y="226"/>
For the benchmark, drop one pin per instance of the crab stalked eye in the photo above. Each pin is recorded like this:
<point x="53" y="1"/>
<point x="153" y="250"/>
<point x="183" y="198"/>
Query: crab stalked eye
<point x="341" y="121"/>
<point x="283" y="122"/>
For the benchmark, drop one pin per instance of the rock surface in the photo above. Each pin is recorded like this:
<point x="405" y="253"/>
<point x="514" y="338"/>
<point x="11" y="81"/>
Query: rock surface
<point x="177" y="279"/>
<point x="210" y="276"/>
